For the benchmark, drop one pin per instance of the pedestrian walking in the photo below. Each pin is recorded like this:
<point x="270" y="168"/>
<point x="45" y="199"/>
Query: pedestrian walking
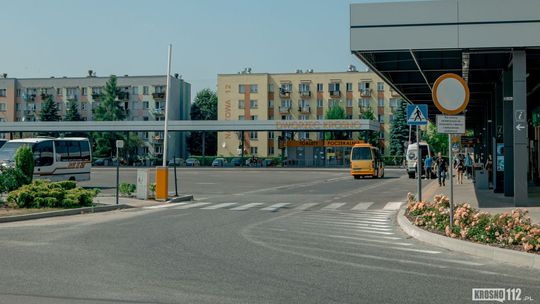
<point x="460" y="168"/>
<point x="442" y="168"/>
<point x="468" y="165"/>
<point x="427" y="164"/>
<point x="489" y="168"/>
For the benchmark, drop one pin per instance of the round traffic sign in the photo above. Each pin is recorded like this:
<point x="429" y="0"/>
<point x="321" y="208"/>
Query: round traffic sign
<point x="450" y="94"/>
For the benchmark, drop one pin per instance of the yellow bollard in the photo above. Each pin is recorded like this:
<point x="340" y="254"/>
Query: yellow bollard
<point x="162" y="183"/>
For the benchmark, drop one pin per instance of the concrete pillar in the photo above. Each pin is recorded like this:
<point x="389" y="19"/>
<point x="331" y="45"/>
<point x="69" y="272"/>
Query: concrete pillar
<point x="519" y="126"/>
<point x="508" y="134"/>
<point x="498" y="176"/>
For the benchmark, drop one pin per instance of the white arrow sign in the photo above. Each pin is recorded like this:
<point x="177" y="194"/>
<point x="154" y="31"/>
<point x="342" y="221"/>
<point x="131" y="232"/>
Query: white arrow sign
<point x="519" y="127"/>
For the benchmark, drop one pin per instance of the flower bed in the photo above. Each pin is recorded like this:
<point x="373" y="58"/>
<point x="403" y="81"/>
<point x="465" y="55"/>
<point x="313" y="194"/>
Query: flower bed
<point x="510" y="229"/>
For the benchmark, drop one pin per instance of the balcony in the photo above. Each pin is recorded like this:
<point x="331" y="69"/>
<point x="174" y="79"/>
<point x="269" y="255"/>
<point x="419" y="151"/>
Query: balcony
<point x="158" y="112"/>
<point x="284" y="109"/>
<point x="72" y="97"/>
<point x="29" y="97"/>
<point x="284" y="93"/>
<point x="96" y="96"/>
<point x="123" y="96"/>
<point x="158" y="95"/>
<point x="394" y="93"/>
<point x="304" y="109"/>
<point x="157" y="140"/>
<point x="305" y="94"/>
<point x="335" y="94"/>
<point x="365" y="92"/>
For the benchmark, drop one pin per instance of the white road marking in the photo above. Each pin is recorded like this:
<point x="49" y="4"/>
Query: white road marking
<point x="275" y="207"/>
<point x="306" y="206"/>
<point x="353" y="227"/>
<point x="246" y="207"/>
<point x="393" y="205"/>
<point x="333" y="206"/>
<point x="362" y="206"/>
<point x="164" y="206"/>
<point x="206" y="183"/>
<point x="194" y="205"/>
<point x="217" y="206"/>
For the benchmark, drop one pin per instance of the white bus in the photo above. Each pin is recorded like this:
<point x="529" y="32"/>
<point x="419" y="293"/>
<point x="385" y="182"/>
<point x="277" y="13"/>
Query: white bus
<point x="55" y="159"/>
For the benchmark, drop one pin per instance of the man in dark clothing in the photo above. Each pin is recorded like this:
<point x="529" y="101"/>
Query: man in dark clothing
<point x="442" y="167"/>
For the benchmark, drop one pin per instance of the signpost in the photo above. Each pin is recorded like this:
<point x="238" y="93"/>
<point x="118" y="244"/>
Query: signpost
<point x="417" y="116"/>
<point x="451" y="96"/>
<point x="119" y="145"/>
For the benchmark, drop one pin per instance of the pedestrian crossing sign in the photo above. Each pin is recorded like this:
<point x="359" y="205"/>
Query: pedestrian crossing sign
<point x="417" y="115"/>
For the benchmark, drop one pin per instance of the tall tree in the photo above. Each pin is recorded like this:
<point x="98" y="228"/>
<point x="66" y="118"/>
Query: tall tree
<point x="72" y="112"/>
<point x="203" y="108"/>
<point x="335" y="112"/>
<point x="109" y="109"/>
<point x="438" y="142"/>
<point x="369" y="136"/>
<point x="399" y="131"/>
<point x="49" y="110"/>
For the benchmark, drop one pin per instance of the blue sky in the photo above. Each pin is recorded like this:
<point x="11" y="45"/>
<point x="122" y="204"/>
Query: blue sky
<point x="68" y="37"/>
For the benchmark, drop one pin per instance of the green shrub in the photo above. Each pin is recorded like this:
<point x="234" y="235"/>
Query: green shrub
<point x="41" y="194"/>
<point x="12" y="179"/>
<point x="127" y="189"/>
<point x="24" y="160"/>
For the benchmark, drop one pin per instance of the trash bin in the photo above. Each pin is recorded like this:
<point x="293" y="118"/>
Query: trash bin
<point x="482" y="179"/>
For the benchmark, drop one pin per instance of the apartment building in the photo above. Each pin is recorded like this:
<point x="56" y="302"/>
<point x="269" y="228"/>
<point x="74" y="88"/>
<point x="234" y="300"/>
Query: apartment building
<point x="298" y="96"/>
<point x="143" y="98"/>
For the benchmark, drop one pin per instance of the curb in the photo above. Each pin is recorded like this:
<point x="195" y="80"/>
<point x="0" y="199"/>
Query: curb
<point x="183" y="198"/>
<point x="508" y="256"/>
<point x="34" y="216"/>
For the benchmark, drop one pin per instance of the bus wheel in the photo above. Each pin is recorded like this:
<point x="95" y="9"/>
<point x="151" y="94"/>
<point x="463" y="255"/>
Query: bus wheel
<point x="356" y="176"/>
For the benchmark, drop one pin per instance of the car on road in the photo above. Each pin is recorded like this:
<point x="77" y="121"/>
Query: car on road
<point x="101" y="161"/>
<point x="177" y="162"/>
<point x="236" y="162"/>
<point x="269" y="163"/>
<point x="412" y="149"/>
<point x="192" y="162"/>
<point x="219" y="162"/>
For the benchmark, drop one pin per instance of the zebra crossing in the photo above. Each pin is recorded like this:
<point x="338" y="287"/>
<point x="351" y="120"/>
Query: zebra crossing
<point x="366" y="208"/>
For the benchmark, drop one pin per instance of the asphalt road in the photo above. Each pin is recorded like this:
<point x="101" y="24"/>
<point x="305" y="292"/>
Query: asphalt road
<point x="252" y="236"/>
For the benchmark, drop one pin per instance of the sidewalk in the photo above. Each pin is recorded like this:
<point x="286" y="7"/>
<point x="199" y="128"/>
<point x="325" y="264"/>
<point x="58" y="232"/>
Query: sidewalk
<point x="133" y="202"/>
<point x="485" y="200"/>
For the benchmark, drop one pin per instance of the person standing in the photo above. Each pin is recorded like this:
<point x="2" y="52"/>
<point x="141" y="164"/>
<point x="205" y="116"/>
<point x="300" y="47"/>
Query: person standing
<point x="460" y="168"/>
<point x="468" y="165"/>
<point x="442" y="167"/>
<point x="489" y="168"/>
<point x="427" y="165"/>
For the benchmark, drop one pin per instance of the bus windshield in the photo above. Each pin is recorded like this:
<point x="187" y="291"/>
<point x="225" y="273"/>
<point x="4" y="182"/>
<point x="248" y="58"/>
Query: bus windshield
<point x="7" y="152"/>
<point x="361" y="153"/>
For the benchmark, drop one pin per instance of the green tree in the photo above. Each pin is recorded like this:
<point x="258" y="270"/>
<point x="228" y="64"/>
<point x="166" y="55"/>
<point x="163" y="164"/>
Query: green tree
<point x="203" y="108"/>
<point x="399" y="131"/>
<point x="72" y="112"/>
<point x="335" y="112"/>
<point x="109" y="109"/>
<point x="438" y="142"/>
<point x="49" y="110"/>
<point x="24" y="161"/>
<point x="371" y="137"/>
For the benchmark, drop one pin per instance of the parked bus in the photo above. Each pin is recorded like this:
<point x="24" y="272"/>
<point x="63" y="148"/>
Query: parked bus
<point x="366" y="161"/>
<point x="55" y="159"/>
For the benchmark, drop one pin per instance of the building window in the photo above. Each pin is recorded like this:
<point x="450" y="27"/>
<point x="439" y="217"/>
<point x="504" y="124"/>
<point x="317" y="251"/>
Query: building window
<point x="145" y="135"/>
<point x="286" y="103"/>
<point x="95" y="91"/>
<point x="17" y="107"/>
<point x="145" y="118"/>
<point x="363" y="86"/>
<point x="380" y="86"/>
<point x="270" y="103"/>
<point x="72" y="92"/>
<point x="241" y="88"/>
<point x="303" y="87"/>
<point x="303" y="117"/>
<point x="333" y="87"/>
<point x="3" y="92"/>
<point x="241" y="104"/>
<point x="285" y="88"/>
<point x="270" y="150"/>
<point x="145" y="105"/>
<point x="253" y="135"/>
<point x="349" y="102"/>
<point x="84" y="91"/>
<point x="18" y="92"/>
<point x="254" y="150"/>
<point x="159" y="89"/>
<point x="135" y="90"/>
<point x="303" y="103"/>
<point x="2" y="107"/>
<point x="271" y="135"/>
<point x="393" y="102"/>
<point x="349" y="87"/>
<point x="59" y="91"/>
<point x="381" y="135"/>
<point x="145" y="90"/>
<point x="270" y="117"/>
<point x="320" y="87"/>
<point x="333" y="102"/>
<point x="254" y="117"/>
<point x="320" y="117"/>
<point x="381" y="101"/>
<point x="271" y="87"/>
<point x="320" y="103"/>
<point x="240" y="117"/>
<point x="253" y="88"/>
<point x="349" y="116"/>
<point x="303" y="135"/>
<point x="390" y="118"/>
<point x="253" y="104"/>
<point x="381" y="118"/>
<point x="363" y="102"/>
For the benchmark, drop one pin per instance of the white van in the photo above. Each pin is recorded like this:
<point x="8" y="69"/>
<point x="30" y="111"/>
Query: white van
<point x="411" y="157"/>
